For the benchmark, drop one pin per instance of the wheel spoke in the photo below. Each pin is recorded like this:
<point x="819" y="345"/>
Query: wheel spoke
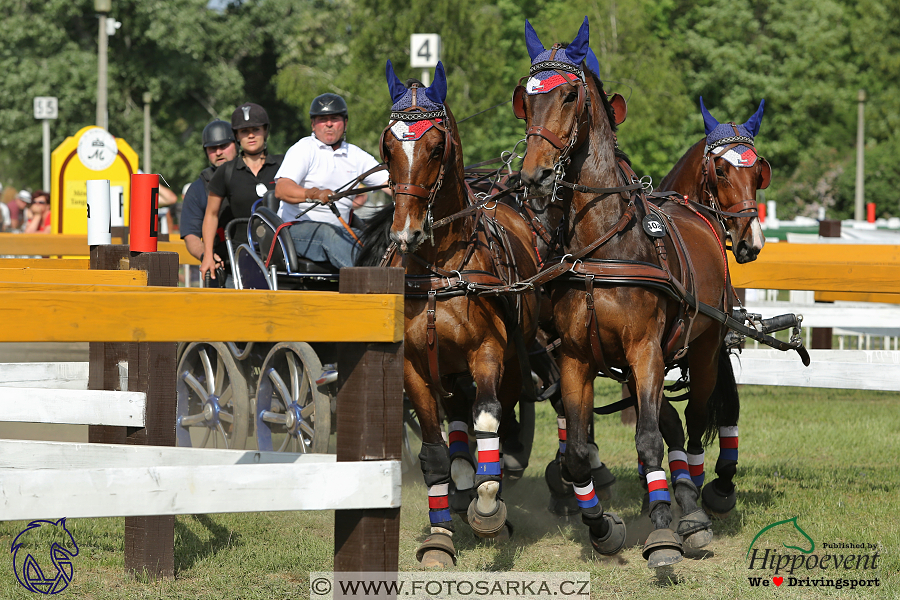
<point x="196" y="386"/>
<point x="205" y="439"/>
<point x="191" y="420"/>
<point x="304" y="426"/>
<point x="224" y="437"/>
<point x="207" y="367"/>
<point x="220" y="375"/>
<point x="225" y="416"/>
<point x="227" y="396"/>
<point x="287" y="438"/>
<point x="282" y="388"/>
<point x="308" y="412"/>
<point x="295" y="376"/>
<point x="274" y="418"/>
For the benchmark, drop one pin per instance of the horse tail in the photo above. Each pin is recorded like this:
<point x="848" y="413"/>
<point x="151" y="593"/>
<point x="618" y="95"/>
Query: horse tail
<point x="724" y="406"/>
<point x="376" y="237"/>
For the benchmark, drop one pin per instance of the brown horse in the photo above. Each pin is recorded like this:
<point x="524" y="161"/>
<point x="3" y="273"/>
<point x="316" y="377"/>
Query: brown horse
<point x="722" y="171"/>
<point x="457" y="256"/>
<point x="625" y="300"/>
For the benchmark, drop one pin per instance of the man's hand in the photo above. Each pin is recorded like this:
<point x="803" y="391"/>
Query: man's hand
<point x="318" y="195"/>
<point x="210" y="264"/>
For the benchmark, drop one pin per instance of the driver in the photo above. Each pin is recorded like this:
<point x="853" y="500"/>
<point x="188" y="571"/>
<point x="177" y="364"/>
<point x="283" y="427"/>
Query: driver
<point x="312" y="169"/>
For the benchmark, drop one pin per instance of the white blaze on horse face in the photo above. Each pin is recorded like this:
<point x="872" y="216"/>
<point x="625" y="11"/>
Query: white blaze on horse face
<point x="409" y="148"/>
<point x="757" y="239"/>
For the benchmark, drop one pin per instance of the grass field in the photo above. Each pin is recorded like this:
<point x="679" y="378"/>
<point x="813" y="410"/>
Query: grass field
<point x="829" y="458"/>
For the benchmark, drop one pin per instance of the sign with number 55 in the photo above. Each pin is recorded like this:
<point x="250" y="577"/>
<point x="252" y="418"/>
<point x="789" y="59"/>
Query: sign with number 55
<point x="45" y="107"/>
<point x="424" y="50"/>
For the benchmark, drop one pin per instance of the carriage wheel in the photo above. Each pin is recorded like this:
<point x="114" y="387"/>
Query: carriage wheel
<point x="213" y="409"/>
<point x="292" y="414"/>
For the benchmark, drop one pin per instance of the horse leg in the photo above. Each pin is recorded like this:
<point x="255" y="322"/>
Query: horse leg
<point x="487" y="512"/>
<point x="606" y="530"/>
<point x="695" y="528"/>
<point x="600" y="474"/>
<point x="562" y="495"/>
<point x="437" y="550"/>
<point x="723" y="410"/>
<point x="662" y="547"/>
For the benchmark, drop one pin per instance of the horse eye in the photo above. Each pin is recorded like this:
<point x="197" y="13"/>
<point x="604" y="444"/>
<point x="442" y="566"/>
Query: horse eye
<point x="720" y="171"/>
<point x="571" y="97"/>
<point x="438" y="151"/>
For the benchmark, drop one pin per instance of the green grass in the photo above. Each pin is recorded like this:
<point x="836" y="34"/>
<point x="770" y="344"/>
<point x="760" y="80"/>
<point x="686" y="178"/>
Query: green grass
<point x="828" y="457"/>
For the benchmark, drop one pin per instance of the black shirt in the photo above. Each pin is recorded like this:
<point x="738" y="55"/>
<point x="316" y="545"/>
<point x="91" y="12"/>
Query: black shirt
<point x="241" y="190"/>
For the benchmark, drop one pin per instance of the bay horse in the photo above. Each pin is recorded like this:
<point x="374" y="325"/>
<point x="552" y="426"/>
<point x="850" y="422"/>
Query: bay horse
<point x="723" y="172"/>
<point x="457" y="255"/>
<point x="626" y="294"/>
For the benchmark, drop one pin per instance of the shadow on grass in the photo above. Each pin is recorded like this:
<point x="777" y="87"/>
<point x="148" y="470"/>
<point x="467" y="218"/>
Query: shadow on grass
<point x="191" y="549"/>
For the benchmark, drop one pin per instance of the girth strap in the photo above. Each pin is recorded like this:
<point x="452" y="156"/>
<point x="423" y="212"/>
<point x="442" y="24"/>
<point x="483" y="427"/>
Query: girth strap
<point x="594" y="335"/>
<point x="431" y="344"/>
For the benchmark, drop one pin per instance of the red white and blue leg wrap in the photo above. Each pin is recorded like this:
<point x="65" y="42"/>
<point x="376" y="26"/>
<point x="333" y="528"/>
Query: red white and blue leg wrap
<point x="678" y="466"/>
<point x="561" y="428"/>
<point x="439" y="506"/>
<point x="728" y="443"/>
<point x="659" y="490"/>
<point x="586" y="496"/>
<point x="695" y="466"/>
<point x="488" y="457"/>
<point x="459" y="440"/>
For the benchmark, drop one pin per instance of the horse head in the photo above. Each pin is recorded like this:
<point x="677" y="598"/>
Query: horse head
<point x="419" y="147"/>
<point x="733" y="173"/>
<point x="553" y="101"/>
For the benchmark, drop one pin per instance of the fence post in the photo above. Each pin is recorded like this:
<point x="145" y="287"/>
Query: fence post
<point x="821" y="336"/>
<point x="369" y="427"/>
<point x="150" y="540"/>
<point x="103" y="373"/>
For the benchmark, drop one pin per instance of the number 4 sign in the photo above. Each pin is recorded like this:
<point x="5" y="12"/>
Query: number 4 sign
<point x="424" y="50"/>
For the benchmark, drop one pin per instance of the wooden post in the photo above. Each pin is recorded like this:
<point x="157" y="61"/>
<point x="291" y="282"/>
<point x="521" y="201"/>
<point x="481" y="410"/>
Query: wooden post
<point x="103" y="372"/>
<point x="369" y="427"/>
<point x="821" y="336"/>
<point x="150" y="540"/>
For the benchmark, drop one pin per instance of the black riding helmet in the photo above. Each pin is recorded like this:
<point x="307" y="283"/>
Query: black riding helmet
<point x="249" y="115"/>
<point x="328" y="104"/>
<point x="217" y="133"/>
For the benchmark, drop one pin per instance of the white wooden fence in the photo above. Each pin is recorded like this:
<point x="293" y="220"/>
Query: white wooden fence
<point x="60" y="479"/>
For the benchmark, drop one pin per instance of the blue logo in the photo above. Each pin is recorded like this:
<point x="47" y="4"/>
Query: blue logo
<point x="38" y="546"/>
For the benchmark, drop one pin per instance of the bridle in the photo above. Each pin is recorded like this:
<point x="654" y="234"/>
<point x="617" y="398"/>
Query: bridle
<point x="580" y="126"/>
<point x="410" y="189"/>
<point x="709" y="183"/>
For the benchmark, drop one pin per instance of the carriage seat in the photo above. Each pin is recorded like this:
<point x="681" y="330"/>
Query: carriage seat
<point x="263" y="225"/>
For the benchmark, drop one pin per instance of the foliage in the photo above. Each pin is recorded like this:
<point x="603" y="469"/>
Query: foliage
<point x="200" y="59"/>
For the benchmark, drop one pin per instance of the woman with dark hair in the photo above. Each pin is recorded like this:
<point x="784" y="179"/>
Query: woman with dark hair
<point x="40" y="213"/>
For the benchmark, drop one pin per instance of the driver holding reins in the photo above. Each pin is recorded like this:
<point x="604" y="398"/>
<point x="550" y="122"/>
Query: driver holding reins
<point x="314" y="167"/>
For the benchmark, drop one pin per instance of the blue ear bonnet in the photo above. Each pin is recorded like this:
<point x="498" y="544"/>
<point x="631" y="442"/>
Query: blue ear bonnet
<point x="724" y="131"/>
<point x="422" y="101"/>
<point x="561" y="56"/>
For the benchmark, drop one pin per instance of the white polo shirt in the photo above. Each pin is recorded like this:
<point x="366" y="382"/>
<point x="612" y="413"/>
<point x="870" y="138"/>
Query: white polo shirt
<point x="311" y="163"/>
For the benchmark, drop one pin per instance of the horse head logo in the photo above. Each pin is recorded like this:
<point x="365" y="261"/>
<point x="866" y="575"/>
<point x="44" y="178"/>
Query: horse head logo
<point x="793" y="521"/>
<point x="40" y="544"/>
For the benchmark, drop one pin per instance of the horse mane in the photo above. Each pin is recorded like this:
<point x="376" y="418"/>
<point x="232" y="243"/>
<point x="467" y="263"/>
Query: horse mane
<point x="375" y="238"/>
<point x="610" y="114"/>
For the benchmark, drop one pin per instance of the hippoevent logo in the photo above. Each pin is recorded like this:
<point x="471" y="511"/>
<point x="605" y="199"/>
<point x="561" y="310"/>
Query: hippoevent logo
<point x="42" y="557"/>
<point x="797" y="564"/>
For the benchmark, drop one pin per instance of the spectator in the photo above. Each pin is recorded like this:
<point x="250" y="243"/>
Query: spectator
<point x="39" y="222"/>
<point x="18" y="210"/>
<point x="5" y="219"/>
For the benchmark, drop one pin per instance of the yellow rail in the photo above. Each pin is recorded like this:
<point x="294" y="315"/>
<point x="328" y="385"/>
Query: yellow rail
<point x="124" y="314"/>
<point x="78" y="276"/>
<point x="36" y="244"/>
<point x="45" y="263"/>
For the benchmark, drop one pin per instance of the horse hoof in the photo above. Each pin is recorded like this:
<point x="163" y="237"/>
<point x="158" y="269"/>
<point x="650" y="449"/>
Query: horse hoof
<point x="695" y="529"/>
<point x="564" y="506"/>
<point x="505" y="534"/>
<point x="716" y="503"/>
<point x="512" y="476"/>
<point x="614" y="540"/>
<point x="603" y="481"/>
<point x="489" y="525"/>
<point x="662" y="548"/>
<point x="437" y="552"/>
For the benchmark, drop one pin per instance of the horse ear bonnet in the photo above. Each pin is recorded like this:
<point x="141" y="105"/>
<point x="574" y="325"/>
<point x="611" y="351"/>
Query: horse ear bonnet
<point x="534" y="45"/>
<point x="578" y="49"/>
<point x="709" y="122"/>
<point x="754" y="122"/>
<point x="437" y="91"/>
<point x="395" y="86"/>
